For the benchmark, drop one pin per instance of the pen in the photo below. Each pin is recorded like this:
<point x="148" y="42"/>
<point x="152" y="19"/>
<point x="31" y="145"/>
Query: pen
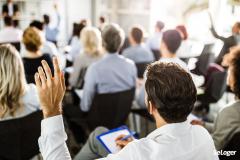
<point x="128" y="136"/>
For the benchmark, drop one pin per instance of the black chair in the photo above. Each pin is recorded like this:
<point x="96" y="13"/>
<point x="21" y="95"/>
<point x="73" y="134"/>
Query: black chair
<point x="232" y="145"/>
<point x="19" y="137"/>
<point x="204" y="60"/>
<point x="109" y="110"/>
<point x="157" y="54"/>
<point x="215" y="88"/>
<point x="141" y="67"/>
<point x="80" y="81"/>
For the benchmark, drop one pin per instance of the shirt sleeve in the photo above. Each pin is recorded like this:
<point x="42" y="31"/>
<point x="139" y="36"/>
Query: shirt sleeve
<point x="128" y="152"/>
<point x="89" y="89"/>
<point x="52" y="141"/>
<point x="226" y="123"/>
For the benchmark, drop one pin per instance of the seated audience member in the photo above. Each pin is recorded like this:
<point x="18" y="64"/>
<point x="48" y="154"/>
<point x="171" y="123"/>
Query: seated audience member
<point x="137" y="52"/>
<point x="91" y="42"/>
<point x="9" y="34"/>
<point x="228" y="42"/>
<point x="47" y="47"/>
<point x="185" y="47"/>
<point x="171" y="40"/>
<point x="75" y="42"/>
<point x="102" y="23"/>
<point x="227" y="122"/>
<point x="170" y="97"/>
<point x="113" y="73"/>
<point x="17" y="98"/>
<point x="33" y="56"/>
<point x="52" y="32"/>
<point x="154" y="41"/>
<point x="10" y="9"/>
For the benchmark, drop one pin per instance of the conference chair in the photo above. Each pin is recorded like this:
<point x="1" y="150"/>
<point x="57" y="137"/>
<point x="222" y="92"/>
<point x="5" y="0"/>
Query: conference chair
<point x="213" y="91"/>
<point x="80" y="81"/>
<point x="232" y="145"/>
<point x="19" y="137"/>
<point x="204" y="60"/>
<point x="141" y="67"/>
<point x="110" y="110"/>
<point x="157" y="54"/>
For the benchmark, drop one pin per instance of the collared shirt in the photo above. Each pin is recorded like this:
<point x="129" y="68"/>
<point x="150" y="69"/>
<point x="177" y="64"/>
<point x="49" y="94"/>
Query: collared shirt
<point x="138" y="54"/>
<point x="181" y="141"/>
<point x="52" y="32"/>
<point x="113" y="73"/>
<point x="154" y="42"/>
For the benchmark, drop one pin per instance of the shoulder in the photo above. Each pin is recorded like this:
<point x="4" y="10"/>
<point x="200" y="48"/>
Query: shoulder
<point x="31" y="95"/>
<point x="232" y="110"/>
<point x="127" y="60"/>
<point x="127" y="50"/>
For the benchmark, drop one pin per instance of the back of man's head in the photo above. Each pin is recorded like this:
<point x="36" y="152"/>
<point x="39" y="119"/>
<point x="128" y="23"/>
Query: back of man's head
<point x="137" y="34"/>
<point x="112" y="36"/>
<point x="160" y="25"/>
<point x="46" y="19"/>
<point x="172" y="39"/>
<point x="8" y="21"/>
<point x="171" y="90"/>
<point x="37" y="24"/>
<point x="102" y="19"/>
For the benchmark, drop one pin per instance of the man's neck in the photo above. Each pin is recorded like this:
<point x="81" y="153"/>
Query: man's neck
<point x="167" y="54"/>
<point x="135" y="44"/>
<point x="159" y="121"/>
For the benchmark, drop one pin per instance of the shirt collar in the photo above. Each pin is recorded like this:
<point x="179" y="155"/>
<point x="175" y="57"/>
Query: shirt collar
<point x="171" y="129"/>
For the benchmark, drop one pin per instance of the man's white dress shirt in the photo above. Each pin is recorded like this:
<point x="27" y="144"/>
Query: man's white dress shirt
<point x="176" y="141"/>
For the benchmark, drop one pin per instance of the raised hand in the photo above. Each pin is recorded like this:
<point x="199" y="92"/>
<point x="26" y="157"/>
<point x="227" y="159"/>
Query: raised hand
<point x="51" y="89"/>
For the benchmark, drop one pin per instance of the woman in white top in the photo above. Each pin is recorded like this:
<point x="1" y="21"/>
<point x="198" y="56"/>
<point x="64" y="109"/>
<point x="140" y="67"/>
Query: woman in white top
<point x="17" y="98"/>
<point x="91" y="41"/>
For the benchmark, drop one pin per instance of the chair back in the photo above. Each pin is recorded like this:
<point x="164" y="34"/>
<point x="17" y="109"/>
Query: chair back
<point x="157" y="54"/>
<point x="216" y="86"/>
<point x="110" y="110"/>
<point x="141" y="67"/>
<point x="232" y="145"/>
<point x="80" y="81"/>
<point x="19" y="137"/>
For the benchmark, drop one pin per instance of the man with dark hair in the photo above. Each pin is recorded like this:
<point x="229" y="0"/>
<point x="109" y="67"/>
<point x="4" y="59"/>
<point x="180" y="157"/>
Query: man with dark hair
<point x="171" y="41"/>
<point x="154" y="41"/>
<point x="113" y="73"/>
<point x="48" y="47"/>
<point x="52" y="32"/>
<point x="9" y="34"/>
<point x="137" y="51"/>
<point x="170" y="96"/>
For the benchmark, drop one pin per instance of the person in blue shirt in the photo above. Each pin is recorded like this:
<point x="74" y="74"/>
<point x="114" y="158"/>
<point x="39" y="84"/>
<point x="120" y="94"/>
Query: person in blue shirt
<point x="113" y="73"/>
<point x="137" y="51"/>
<point x="51" y="32"/>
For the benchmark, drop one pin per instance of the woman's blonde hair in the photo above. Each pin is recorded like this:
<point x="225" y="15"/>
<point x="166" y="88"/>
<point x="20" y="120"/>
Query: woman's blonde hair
<point x="32" y="39"/>
<point x="12" y="81"/>
<point x="91" y="40"/>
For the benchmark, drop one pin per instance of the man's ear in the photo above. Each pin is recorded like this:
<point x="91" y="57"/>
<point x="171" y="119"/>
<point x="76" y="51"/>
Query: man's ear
<point x="150" y="107"/>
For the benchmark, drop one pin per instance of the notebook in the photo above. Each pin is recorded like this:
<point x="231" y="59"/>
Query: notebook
<point x="108" y="139"/>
